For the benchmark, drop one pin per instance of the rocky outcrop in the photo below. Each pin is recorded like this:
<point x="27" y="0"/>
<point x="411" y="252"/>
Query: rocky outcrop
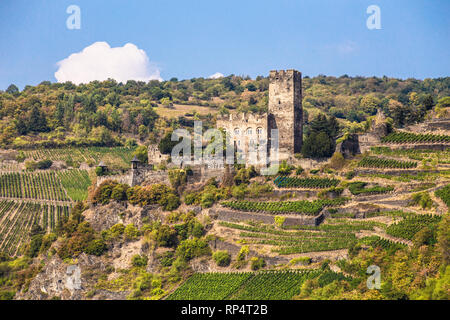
<point x="104" y="217"/>
<point x="67" y="281"/>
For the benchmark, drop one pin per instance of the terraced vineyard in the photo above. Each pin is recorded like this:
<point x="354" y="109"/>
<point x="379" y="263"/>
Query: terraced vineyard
<point x="409" y="226"/>
<point x="409" y="137"/>
<point x="444" y="194"/>
<point x="76" y="183"/>
<point x="87" y="154"/>
<point x="17" y="218"/>
<point x="40" y="185"/>
<point x="314" y="183"/>
<point x="376" y="241"/>
<point x="210" y="286"/>
<point x="296" y="207"/>
<point x="374" y="162"/>
<point x="269" y="285"/>
<point x="443" y="156"/>
<point x="359" y="187"/>
<point x="339" y="234"/>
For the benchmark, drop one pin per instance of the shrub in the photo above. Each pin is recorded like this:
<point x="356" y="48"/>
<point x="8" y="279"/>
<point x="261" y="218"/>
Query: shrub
<point x="44" y="164"/>
<point x="422" y="199"/>
<point x="131" y="232"/>
<point x="119" y="192"/>
<point x="116" y="230"/>
<point x="96" y="247"/>
<point x="222" y="258"/>
<point x="99" y="171"/>
<point x="165" y="236"/>
<point x="30" y="165"/>
<point x="192" y="248"/>
<point x="102" y="193"/>
<point x="257" y="263"/>
<point x="299" y="170"/>
<point x="279" y="220"/>
<point x="169" y="201"/>
<point x="243" y="253"/>
<point x="350" y="175"/>
<point x="139" y="261"/>
<point x="141" y="153"/>
<point x="207" y="199"/>
<point x="337" y="161"/>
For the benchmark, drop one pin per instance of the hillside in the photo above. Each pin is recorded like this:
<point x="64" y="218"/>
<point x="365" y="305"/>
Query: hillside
<point x="72" y="230"/>
<point x="110" y="114"/>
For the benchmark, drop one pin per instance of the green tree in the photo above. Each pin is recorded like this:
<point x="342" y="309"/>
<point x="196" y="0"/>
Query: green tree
<point x="12" y="89"/>
<point x="141" y="153"/>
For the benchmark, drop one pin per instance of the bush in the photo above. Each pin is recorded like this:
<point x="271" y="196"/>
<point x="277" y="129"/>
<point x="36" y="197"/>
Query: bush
<point x="131" y="232"/>
<point x="103" y="192"/>
<point x="165" y="236"/>
<point x="139" y="261"/>
<point x="350" y="175"/>
<point x="257" y="263"/>
<point x="279" y="220"/>
<point x="299" y="170"/>
<point x="169" y="201"/>
<point x="119" y="192"/>
<point x="116" y="230"/>
<point x="192" y="248"/>
<point x="30" y="165"/>
<point x="96" y="247"/>
<point x="422" y="199"/>
<point x="141" y="153"/>
<point x="243" y="253"/>
<point x="44" y="164"/>
<point x="99" y="171"/>
<point x="337" y="161"/>
<point x="207" y="199"/>
<point x="222" y="258"/>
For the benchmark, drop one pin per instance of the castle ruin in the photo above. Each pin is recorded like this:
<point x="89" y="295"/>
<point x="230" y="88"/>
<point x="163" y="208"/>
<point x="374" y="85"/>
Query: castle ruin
<point x="285" y="114"/>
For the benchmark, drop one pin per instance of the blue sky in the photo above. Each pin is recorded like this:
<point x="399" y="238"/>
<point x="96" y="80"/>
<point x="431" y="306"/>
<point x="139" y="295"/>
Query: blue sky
<point x="197" y="38"/>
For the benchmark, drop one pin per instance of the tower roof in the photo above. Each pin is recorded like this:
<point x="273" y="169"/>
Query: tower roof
<point x="101" y="164"/>
<point x="135" y="159"/>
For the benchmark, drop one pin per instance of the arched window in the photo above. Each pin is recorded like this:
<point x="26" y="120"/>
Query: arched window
<point x="249" y="131"/>
<point x="237" y="131"/>
<point x="259" y="131"/>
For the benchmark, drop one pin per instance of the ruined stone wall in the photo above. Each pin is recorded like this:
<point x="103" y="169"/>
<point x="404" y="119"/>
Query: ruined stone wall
<point x="156" y="157"/>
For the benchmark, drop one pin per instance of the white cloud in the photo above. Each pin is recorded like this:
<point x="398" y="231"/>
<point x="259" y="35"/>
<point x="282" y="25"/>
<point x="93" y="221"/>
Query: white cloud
<point x="347" y="47"/>
<point x="99" y="62"/>
<point x="216" y="75"/>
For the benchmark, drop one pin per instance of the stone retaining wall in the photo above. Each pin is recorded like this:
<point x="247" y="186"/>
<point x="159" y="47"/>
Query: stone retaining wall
<point x="239" y="216"/>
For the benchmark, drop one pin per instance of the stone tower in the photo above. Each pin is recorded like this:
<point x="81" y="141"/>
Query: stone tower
<point x="285" y="111"/>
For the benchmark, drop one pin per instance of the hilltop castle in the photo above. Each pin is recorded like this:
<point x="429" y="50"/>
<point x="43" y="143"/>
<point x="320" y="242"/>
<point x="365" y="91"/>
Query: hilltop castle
<point x="258" y="139"/>
<point x="285" y="114"/>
